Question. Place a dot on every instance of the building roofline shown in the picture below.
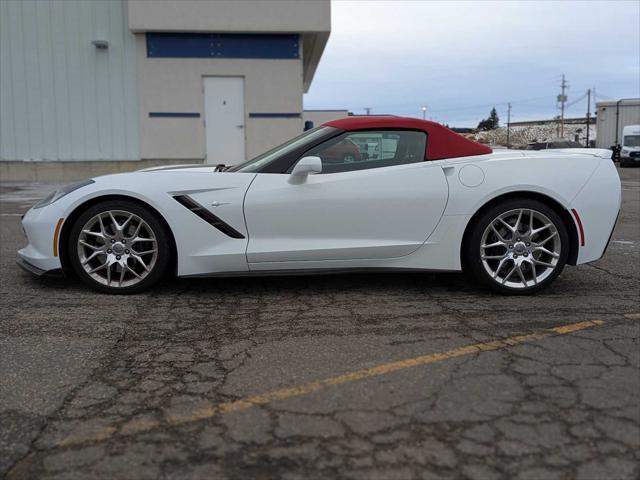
(623, 101)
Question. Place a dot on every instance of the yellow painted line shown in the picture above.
(56, 233)
(246, 403)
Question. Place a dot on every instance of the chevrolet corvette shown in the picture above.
(430, 200)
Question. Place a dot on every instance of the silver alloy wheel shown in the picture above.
(117, 248)
(520, 248)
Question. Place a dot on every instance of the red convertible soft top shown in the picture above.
(442, 142)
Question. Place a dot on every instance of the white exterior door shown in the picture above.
(224, 119)
(367, 214)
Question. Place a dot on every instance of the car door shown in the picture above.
(377, 208)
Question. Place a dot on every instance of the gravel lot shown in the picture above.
(253, 378)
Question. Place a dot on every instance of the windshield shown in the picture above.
(631, 141)
(260, 161)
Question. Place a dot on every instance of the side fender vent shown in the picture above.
(207, 216)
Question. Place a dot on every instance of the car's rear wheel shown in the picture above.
(517, 247)
(119, 246)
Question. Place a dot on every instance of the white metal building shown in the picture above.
(612, 114)
(90, 87)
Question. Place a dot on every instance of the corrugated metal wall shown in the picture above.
(629, 115)
(60, 97)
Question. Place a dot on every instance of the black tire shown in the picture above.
(624, 164)
(150, 277)
(473, 262)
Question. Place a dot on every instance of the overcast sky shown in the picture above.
(461, 58)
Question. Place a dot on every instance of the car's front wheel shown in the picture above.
(518, 246)
(119, 246)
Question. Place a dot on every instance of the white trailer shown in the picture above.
(612, 117)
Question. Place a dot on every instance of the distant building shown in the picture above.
(613, 116)
(318, 117)
(122, 84)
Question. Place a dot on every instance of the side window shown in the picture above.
(370, 149)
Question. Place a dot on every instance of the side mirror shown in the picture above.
(303, 168)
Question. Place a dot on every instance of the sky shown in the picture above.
(459, 59)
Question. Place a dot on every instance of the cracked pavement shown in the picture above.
(109, 372)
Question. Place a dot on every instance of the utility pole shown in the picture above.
(588, 114)
(562, 98)
(368, 110)
(509, 125)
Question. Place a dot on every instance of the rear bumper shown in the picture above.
(598, 205)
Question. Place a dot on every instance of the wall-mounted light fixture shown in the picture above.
(100, 44)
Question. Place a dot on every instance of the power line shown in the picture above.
(570, 104)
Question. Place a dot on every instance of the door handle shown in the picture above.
(240, 126)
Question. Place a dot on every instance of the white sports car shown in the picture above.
(428, 200)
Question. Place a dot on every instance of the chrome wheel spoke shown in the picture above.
(506, 277)
(123, 270)
(99, 267)
(134, 272)
(126, 222)
(517, 225)
(541, 229)
(553, 235)
(495, 244)
(102, 229)
(548, 252)
(500, 265)
(116, 225)
(140, 261)
(145, 252)
(534, 274)
(506, 224)
(95, 234)
(492, 257)
(136, 231)
(91, 257)
(141, 239)
(497, 233)
(544, 264)
(92, 247)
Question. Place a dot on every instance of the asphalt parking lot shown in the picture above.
(357, 376)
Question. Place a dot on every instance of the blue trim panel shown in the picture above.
(274, 115)
(175, 114)
(222, 45)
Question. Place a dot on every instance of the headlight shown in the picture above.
(58, 194)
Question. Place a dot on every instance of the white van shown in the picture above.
(630, 154)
